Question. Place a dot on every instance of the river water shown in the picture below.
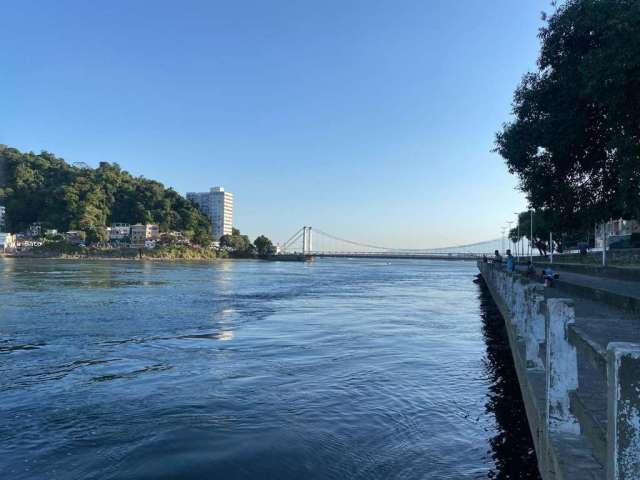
(334, 369)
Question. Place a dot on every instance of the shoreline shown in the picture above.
(118, 259)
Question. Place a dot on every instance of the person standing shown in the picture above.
(511, 266)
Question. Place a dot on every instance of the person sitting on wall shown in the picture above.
(511, 266)
(497, 258)
(484, 258)
(549, 276)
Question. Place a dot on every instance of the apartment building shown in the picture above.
(616, 230)
(218, 206)
(118, 231)
(141, 234)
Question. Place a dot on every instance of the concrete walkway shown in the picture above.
(626, 288)
(579, 377)
(606, 310)
(623, 294)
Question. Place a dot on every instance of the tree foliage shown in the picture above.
(575, 139)
(236, 243)
(264, 246)
(544, 223)
(44, 188)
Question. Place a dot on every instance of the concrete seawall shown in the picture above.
(582, 396)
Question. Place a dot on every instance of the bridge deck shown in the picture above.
(421, 256)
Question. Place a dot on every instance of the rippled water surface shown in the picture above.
(247, 369)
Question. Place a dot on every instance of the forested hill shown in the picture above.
(44, 188)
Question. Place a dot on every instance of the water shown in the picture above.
(334, 369)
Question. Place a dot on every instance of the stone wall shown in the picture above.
(543, 340)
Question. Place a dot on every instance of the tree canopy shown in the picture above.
(544, 223)
(237, 244)
(264, 246)
(575, 139)
(44, 188)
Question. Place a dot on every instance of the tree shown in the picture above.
(236, 243)
(575, 139)
(264, 246)
(545, 222)
(46, 189)
(541, 228)
(201, 237)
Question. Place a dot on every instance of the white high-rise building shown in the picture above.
(221, 208)
(218, 206)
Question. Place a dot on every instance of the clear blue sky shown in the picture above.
(373, 120)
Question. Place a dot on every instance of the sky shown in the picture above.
(370, 120)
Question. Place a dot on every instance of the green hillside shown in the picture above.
(44, 188)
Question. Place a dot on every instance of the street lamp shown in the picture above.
(519, 246)
(531, 236)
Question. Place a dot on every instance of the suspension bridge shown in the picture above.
(309, 242)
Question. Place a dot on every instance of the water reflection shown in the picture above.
(8, 265)
(512, 446)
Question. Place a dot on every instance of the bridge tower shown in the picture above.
(307, 240)
(304, 239)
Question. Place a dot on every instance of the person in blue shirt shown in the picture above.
(548, 275)
(511, 266)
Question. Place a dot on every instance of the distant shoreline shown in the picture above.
(134, 258)
(118, 259)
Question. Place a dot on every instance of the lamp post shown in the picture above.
(519, 245)
(604, 244)
(531, 236)
(502, 240)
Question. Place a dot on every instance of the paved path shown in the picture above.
(625, 288)
(621, 294)
(628, 288)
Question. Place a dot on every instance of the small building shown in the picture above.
(153, 232)
(617, 230)
(174, 237)
(7, 242)
(75, 236)
(35, 229)
(118, 231)
(141, 233)
(51, 232)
